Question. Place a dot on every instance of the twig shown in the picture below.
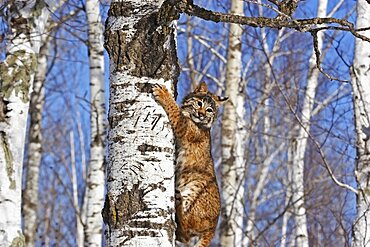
(318, 58)
(269, 7)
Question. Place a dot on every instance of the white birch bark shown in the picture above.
(95, 178)
(361, 101)
(300, 143)
(30, 192)
(17, 74)
(232, 141)
(139, 205)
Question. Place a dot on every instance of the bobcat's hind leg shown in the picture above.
(205, 239)
(182, 234)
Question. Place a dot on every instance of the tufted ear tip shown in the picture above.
(222, 100)
(201, 88)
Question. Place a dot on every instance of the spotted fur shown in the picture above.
(197, 195)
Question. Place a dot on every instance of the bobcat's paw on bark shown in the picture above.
(160, 93)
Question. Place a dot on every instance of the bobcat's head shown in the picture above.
(201, 106)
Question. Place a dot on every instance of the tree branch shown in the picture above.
(301, 25)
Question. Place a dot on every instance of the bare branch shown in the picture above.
(301, 25)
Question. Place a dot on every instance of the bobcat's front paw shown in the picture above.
(160, 93)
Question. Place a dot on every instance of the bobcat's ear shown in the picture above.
(201, 88)
(221, 100)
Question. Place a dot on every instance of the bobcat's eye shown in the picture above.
(209, 110)
(200, 103)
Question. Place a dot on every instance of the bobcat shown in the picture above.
(197, 195)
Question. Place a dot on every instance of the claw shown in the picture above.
(157, 86)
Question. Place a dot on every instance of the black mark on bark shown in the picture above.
(143, 148)
(120, 211)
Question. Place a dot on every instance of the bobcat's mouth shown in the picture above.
(202, 120)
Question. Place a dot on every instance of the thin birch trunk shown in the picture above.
(190, 54)
(284, 226)
(300, 143)
(95, 178)
(47, 222)
(139, 205)
(232, 162)
(81, 139)
(17, 74)
(79, 225)
(30, 192)
(288, 199)
(361, 101)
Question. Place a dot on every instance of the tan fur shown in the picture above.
(197, 195)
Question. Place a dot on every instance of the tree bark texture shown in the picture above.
(232, 153)
(139, 205)
(96, 172)
(361, 101)
(27, 22)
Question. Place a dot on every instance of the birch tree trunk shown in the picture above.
(232, 155)
(30, 192)
(79, 225)
(17, 73)
(284, 241)
(139, 205)
(300, 143)
(95, 177)
(361, 101)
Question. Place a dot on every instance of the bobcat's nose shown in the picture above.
(201, 114)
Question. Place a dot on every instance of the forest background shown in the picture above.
(286, 147)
